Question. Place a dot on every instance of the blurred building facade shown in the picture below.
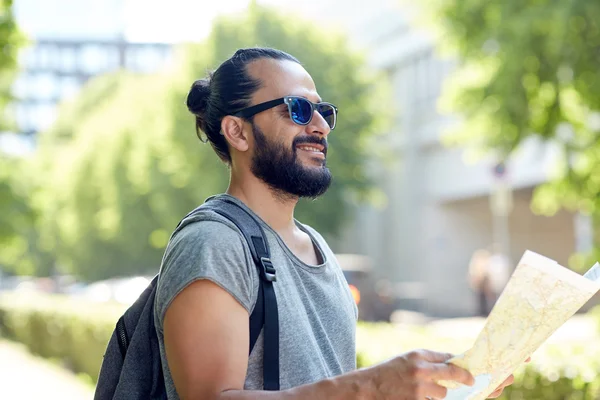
(438, 210)
(69, 48)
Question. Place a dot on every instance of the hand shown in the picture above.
(498, 392)
(413, 376)
(509, 381)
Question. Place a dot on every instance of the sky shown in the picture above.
(185, 19)
(147, 20)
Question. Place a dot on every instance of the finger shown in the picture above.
(433, 356)
(497, 393)
(432, 391)
(451, 372)
(528, 359)
(507, 382)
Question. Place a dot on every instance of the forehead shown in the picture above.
(281, 78)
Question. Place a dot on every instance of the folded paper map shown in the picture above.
(540, 296)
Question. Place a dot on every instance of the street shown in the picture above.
(26, 377)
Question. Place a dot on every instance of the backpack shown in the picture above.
(132, 368)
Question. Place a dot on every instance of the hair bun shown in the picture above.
(197, 99)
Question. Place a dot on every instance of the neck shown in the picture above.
(275, 209)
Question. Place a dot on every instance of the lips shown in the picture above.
(313, 146)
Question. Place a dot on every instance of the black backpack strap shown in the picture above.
(265, 311)
(257, 318)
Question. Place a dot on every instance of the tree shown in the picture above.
(529, 68)
(117, 177)
(11, 40)
(16, 214)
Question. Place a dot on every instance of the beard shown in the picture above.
(281, 170)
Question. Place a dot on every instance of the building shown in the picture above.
(65, 52)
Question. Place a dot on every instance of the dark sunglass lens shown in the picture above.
(301, 111)
(328, 113)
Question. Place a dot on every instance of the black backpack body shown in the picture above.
(132, 367)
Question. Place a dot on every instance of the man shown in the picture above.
(262, 114)
(479, 280)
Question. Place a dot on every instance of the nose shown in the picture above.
(318, 125)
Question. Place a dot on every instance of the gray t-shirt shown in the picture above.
(317, 314)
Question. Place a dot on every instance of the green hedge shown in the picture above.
(76, 333)
(73, 332)
(558, 371)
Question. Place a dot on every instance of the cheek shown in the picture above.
(285, 138)
(285, 129)
(280, 131)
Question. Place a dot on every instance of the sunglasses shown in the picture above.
(301, 110)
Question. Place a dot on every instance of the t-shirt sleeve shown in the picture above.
(208, 249)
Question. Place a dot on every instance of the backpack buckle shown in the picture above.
(268, 270)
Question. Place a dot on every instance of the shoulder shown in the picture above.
(206, 237)
(203, 226)
(207, 246)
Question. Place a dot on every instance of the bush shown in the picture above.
(558, 371)
(74, 332)
(77, 332)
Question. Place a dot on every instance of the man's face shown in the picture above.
(290, 158)
(280, 166)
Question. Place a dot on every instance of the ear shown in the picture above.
(233, 130)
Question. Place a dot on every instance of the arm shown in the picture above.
(206, 341)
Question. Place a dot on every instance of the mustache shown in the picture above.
(313, 140)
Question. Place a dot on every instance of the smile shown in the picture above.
(312, 148)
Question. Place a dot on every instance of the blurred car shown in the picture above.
(16, 283)
(373, 298)
(120, 290)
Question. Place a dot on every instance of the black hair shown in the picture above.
(226, 91)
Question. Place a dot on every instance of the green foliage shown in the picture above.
(74, 332)
(532, 383)
(14, 207)
(16, 216)
(530, 69)
(123, 163)
(18, 238)
(77, 332)
(10, 42)
(561, 371)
